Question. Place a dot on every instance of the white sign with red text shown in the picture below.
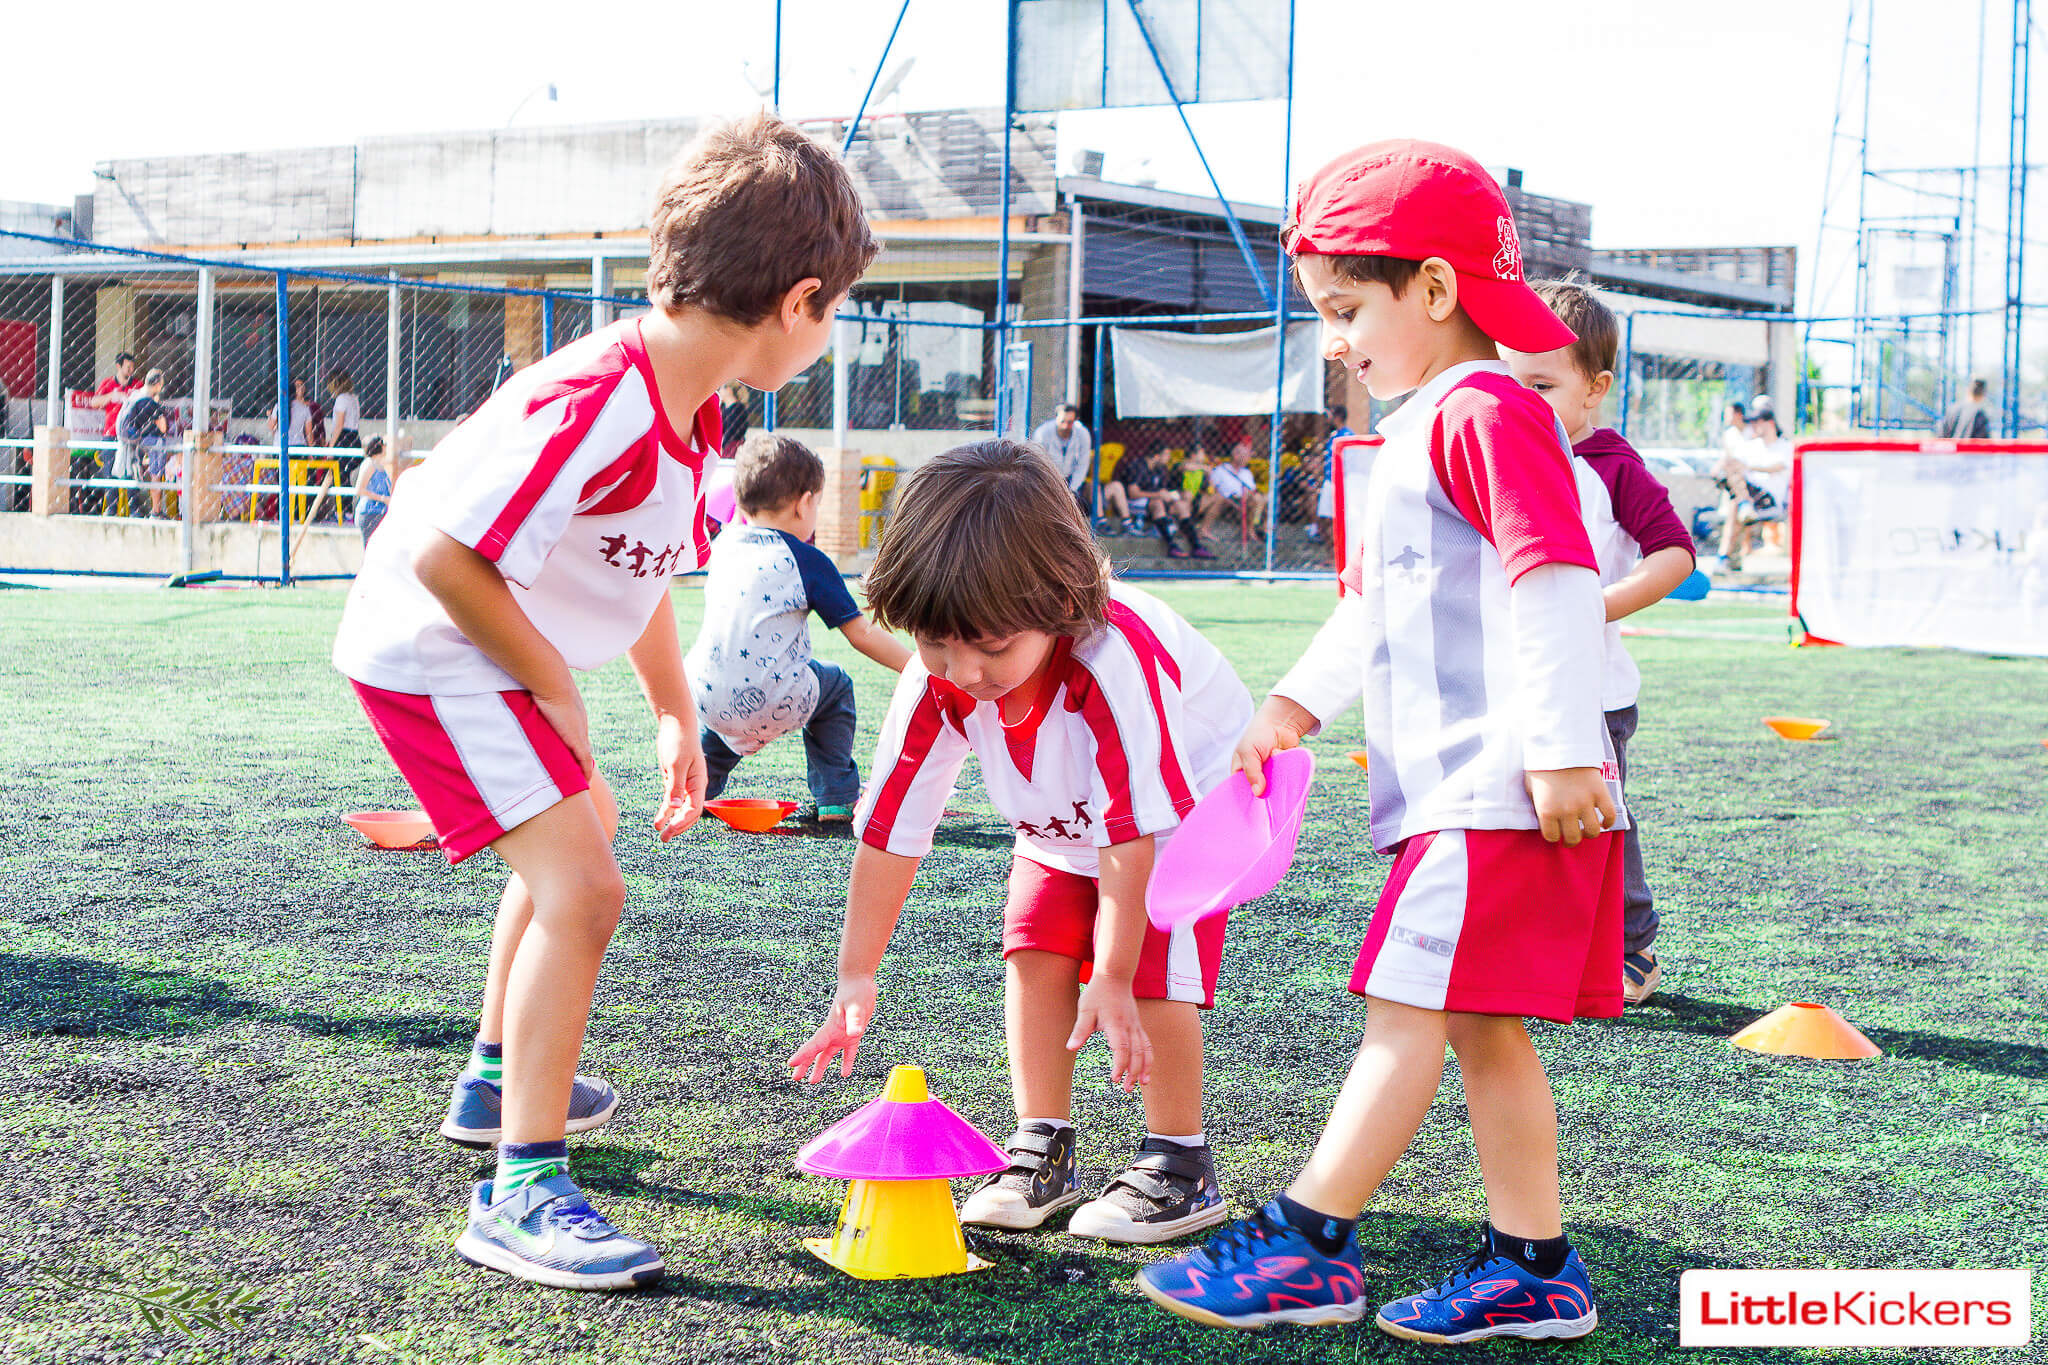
(1854, 1308)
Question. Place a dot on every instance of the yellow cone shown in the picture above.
(897, 1230)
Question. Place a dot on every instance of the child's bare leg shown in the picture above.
(563, 858)
(515, 909)
(1514, 1123)
(1041, 992)
(1173, 1097)
(1378, 1112)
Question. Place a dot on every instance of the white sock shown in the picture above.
(1191, 1140)
(1057, 1123)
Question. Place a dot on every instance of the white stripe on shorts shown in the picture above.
(1184, 965)
(498, 757)
(1413, 965)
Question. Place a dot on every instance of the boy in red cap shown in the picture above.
(1473, 630)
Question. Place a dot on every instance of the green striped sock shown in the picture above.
(486, 1060)
(524, 1163)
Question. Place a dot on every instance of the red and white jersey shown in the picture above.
(1137, 722)
(572, 481)
(1616, 550)
(1473, 488)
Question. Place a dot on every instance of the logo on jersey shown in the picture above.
(1442, 947)
(643, 559)
(1059, 826)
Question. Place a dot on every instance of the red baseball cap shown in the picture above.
(1415, 200)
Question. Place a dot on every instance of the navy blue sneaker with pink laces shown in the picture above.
(1496, 1296)
(1260, 1271)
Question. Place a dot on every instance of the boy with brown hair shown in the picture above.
(751, 668)
(1099, 717)
(1644, 552)
(1472, 632)
(540, 539)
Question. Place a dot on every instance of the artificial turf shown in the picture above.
(227, 1028)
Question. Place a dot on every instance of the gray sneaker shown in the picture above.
(473, 1109)
(1169, 1191)
(548, 1233)
(1040, 1181)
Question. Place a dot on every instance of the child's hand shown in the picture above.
(1571, 803)
(1111, 1009)
(1279, 724)
(683, 777)
(853, 1006)
(565, 713)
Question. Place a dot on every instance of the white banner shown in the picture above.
(1214, 374)
(1936, 543)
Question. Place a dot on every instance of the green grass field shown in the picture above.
(227, 1028)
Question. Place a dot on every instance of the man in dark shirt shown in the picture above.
(1967, 420)
(143, 431)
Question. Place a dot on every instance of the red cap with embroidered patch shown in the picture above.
(1415, 200)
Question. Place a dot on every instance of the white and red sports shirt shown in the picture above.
(1137, 724)
(1472, 492)
(572, 480)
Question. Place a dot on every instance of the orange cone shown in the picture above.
(1801, 1029)
(1797, 727)
(1359, 757)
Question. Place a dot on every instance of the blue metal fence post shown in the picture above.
(1101, 337)
(547, 325)
(284, 432)
(1003, 233)
(1280, 310)
(1628, 365)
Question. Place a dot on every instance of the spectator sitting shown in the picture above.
(1770, 468)
(1966, 420)
(1236, 489)
(1326, 495)
(142, 428)
(1136, 492)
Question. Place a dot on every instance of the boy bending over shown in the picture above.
(751, 666)
(539, 539)
(1100, 717)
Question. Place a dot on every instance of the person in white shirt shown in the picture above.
(1237, 493)
(1099, 718)
(1072, 450)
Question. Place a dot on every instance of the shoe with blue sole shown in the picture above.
(547, 1232)
(1258, 1272)
(1494, 1296)
(473, 1109)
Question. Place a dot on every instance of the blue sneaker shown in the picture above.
(1493, 1296)
(546, 1232)
(473, 1109)
(1259, 1271)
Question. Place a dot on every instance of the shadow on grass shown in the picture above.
(1049, 1298)
(1714, 1018)
(79, 998)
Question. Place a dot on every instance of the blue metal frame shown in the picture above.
(1002, 326)
(284, 433)
(853, 129)
(1244, 247)
(547, 326)
(2016, 214)
(1280, 311)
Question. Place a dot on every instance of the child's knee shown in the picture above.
(586, 903)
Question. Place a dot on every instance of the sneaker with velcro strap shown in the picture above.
(1168, 1191)
(547, 1232)
(1640, 975)
(1038, 1182)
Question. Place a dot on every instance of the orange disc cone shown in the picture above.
(1796, 727)
(1801, 1029)
(1360, 757)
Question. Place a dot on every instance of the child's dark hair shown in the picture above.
(1576, 307)
(986, 542)
(374, 448)
(771, 471)
(746, 211)
(1395, 272)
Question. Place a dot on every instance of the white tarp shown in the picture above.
(1922, 544)
(1214, 374)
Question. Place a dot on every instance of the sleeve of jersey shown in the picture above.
(1131, 703)
(1330, 676)
(1643, 508)
(824, 587)
(531, 470)
(917, 758)
(1510, 477)
(1558, 621)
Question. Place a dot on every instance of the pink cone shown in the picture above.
(1233, 847)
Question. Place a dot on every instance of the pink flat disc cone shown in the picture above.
(1234, 846)
(889, 1139)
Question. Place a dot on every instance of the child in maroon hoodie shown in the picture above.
(1644, 552)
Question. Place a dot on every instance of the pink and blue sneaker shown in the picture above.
(1493, 1295)
(1260, 1271)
